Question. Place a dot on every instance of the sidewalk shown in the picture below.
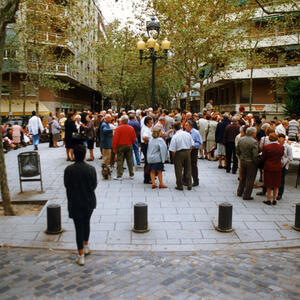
(178, 220)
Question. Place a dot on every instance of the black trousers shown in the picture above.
(82, 228)
(231, 154)
(50, 140)
(144, 148)
(281, 189)
(194, 161)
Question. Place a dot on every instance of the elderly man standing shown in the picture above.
(194, 153)
(247, 150)
(122, 142)
(181, 146)
(106, 136)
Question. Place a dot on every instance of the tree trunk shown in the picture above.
(7, 15)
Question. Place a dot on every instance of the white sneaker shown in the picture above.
(117, 178)
(80, 260)
(86, 250)
(131, 177)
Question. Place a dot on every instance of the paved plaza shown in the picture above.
(178, 220)
(47, 274)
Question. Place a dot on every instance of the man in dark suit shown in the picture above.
(80, 180)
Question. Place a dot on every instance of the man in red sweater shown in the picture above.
(123, 139)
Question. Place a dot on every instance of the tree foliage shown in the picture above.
(292, 104)
(123, 79)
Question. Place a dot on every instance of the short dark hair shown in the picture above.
(131, 116)
(165, 111)
(79, 152)
(33, 113)
(70, 115)
(177, 126)
(147, 120)
(281, 135)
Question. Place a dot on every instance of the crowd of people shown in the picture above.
(242, 144)
(177, 137)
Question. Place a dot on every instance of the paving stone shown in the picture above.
(179, 213)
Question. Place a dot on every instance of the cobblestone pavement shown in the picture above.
(178, 220)
(46, 274)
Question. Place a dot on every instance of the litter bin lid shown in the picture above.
(140, 204)
(53, 205)
(226, 204)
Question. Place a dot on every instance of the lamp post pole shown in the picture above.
(153, 59)
(153, 46)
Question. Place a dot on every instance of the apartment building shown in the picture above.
(277, 54)
(50, 65)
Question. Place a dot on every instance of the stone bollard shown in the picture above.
(140, 218)
(225, 217)
(53, 219)
(297, 217)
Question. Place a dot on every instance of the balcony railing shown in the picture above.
(46, 8)
(290, 63)
(261, 34)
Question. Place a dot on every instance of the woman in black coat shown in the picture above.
(80, 180)
(70, 127)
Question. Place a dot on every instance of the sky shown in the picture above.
(116, 10)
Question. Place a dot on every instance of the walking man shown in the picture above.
(194, 152)
(80, 180)
(35, 127)
(181, 146)
(122, 142)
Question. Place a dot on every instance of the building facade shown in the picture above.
(275, 59)
(49, 62)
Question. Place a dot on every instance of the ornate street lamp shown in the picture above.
(153, 30)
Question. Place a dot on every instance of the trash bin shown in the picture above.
(29, 166)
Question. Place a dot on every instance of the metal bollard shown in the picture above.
(225, 217)
(140, 218)
(297, 217)
(53, 219)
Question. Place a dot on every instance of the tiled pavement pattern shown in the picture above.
(45, 274)
(179, 220)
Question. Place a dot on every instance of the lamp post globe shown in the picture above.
(153, 30)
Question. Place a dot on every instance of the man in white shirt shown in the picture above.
(181, 146)
(281, 128)
(146, 135)
(34, 127)
(203, 128)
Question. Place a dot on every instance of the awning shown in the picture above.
(17, 107)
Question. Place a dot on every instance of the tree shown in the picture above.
(292, 104)
(123, 79)
(8, 11)
(206, 35)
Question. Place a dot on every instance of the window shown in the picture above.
(5, 90)
(245, 91)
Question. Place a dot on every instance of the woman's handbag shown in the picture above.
(76, 136)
